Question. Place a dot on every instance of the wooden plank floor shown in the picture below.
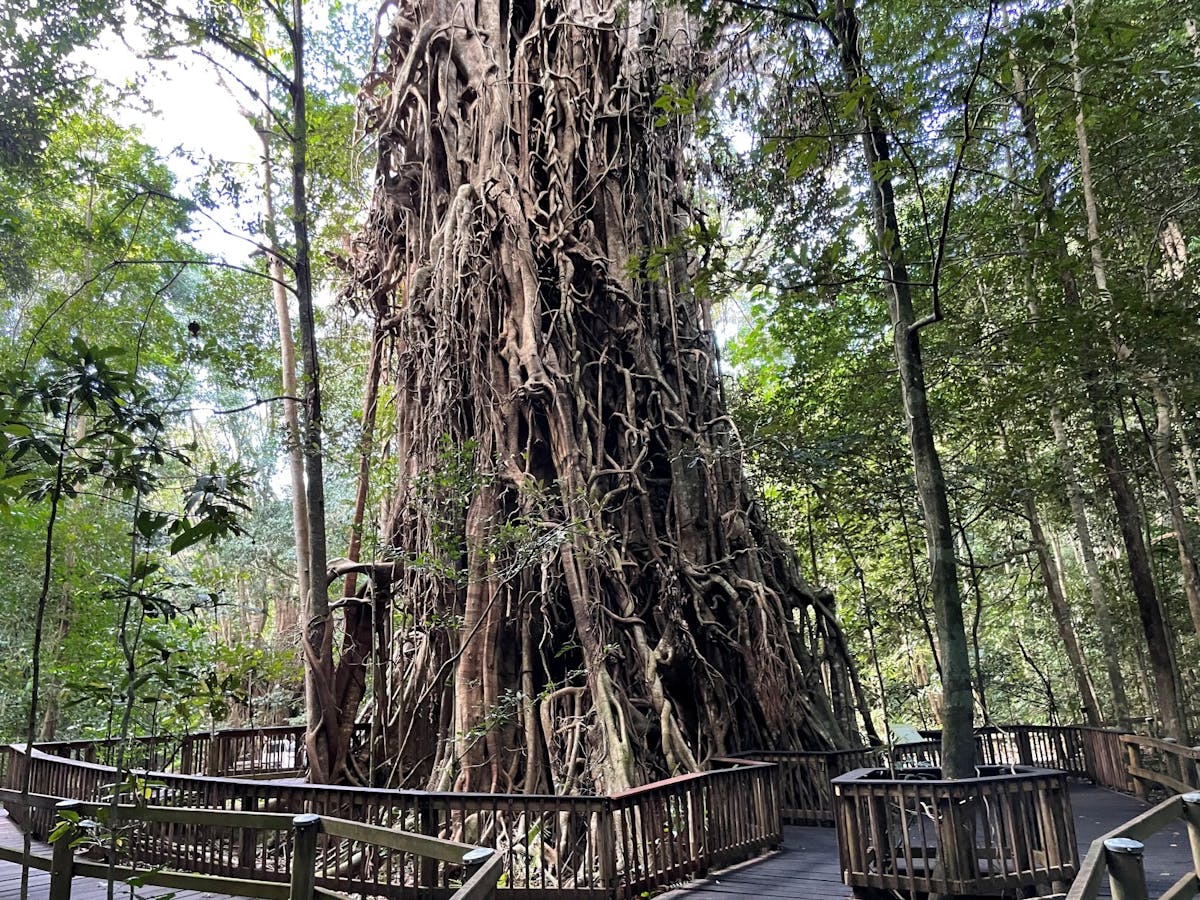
(807, 866)
(81, 888)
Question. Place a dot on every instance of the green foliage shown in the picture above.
(814, 395)
(39, 73)
(80, 427)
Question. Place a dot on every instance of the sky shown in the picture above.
(184, 107)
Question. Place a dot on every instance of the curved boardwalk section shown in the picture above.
(224, 806)
(807, 866)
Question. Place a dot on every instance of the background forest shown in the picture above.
(1042, 160)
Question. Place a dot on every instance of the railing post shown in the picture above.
(1133, 753)
(606, 847)
(1024, 748)
(428, 866)
(1174, 762)
(305, 828)
(472, 861)
(1126, 868)
(1191, 815)
(62, 864)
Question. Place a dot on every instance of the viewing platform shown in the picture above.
(226, 815)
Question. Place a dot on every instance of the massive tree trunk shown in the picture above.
(586, 594)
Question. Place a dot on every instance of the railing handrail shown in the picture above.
(860, 776)
(470, 856)
(1161, 744)
(1113, 852)
(746, 787)
(680, 780)
(332, 788)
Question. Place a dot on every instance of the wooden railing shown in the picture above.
(912, 831)
(1094, 753)
(805, 776)
(248, 854)
(675, 830)
(238, 752)
(1118, 854)
(619, 846)
(1152, 762)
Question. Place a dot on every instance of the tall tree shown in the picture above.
(958, 744)
(236, 39)
(587, 594)
(1100, 409)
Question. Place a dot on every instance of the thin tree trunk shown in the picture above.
(1173, 718)
(1091, 569)
(323, 725)
(366, 445)
(1164, 463)
(958, 742)
(1051, 702)
(1100, 406)
(1060, 610)
(922, 615)
(1075, 494)
(287, 363)
(1189, 457)
(976, 624)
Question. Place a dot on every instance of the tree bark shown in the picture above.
(1060, 610)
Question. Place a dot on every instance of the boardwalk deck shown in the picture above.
(81, 888)
(807, 866)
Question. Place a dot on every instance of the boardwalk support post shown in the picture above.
(1191, 814)
(62, 864)
(1134, 766)
(473, 859)
(304, 855)
(1126, 868)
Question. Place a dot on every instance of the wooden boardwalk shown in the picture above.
(807, 867)
(81, 888)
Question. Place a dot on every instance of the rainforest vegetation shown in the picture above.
(571, 391)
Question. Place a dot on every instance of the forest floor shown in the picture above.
(807, 866)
